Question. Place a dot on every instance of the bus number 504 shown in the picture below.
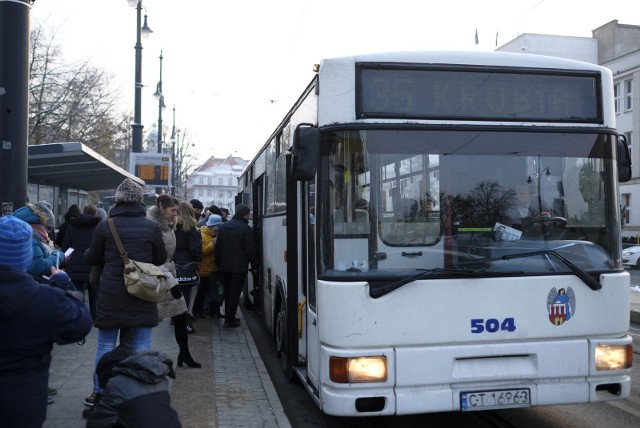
(492, 325)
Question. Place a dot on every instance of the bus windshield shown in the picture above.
(394, 201)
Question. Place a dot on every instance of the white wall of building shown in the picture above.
(576, 48)
(618, 47)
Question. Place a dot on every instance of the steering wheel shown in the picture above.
(547, 228)
(559, 222)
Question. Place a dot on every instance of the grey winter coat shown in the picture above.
(137, 394)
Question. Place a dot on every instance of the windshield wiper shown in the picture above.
(388, 288)
(577, 271)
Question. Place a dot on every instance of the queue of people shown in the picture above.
(83, 257)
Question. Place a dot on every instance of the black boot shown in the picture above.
(185, 357)
(182, 337)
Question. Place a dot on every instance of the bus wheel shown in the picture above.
(281, 340)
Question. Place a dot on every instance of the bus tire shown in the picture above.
(281, 332)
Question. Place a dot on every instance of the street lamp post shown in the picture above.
(142, 30)
(538, 175)
(173, 154)
(158, 94)
(161, 106)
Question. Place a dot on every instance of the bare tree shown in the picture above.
(71, 102)
(182, 159)
(484, 205)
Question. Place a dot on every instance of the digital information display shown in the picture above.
(477, 93)
(153, 168)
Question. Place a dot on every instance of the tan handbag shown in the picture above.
(145, 281)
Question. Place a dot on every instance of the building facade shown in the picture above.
(216, 181)
(617, 47)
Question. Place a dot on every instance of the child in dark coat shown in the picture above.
(136, 390)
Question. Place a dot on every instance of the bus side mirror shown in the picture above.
(624, 160)
(306, 146)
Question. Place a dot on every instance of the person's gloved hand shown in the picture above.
(60, 279)
(176, 292)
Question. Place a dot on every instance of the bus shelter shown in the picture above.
(63, 173)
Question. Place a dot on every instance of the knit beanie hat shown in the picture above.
(30, 214)
(15, 242)
(242, 209)
(128, 191)
(46, 208)
(214, 220)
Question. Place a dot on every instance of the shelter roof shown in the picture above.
(74, 165)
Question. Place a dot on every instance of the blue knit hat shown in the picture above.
(15, 242)
(214, 220)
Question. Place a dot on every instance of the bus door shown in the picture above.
(311, 335)
(256, 287)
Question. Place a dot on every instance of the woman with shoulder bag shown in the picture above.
(172, 305)
(188, 253)
(116, 309)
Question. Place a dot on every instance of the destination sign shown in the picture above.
(477, 93)
(153, 168)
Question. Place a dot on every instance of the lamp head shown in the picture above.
(158, 93)
(145, 30)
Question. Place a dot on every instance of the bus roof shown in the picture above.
(488, 58)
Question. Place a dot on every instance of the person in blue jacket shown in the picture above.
(33, 316)
(44, 253)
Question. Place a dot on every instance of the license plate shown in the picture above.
(496, 399)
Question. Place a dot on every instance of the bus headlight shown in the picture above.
(358, 370)
(614, 357)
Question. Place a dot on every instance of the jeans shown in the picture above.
(140, 339)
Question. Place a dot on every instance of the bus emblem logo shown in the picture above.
(561, 305)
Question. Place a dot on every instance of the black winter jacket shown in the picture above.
(235, 246)
(78, 236)
(188, 246)
(142, 239)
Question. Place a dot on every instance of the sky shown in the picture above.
(233, 69)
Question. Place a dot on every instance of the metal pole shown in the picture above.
(137, 126)
(160, 105)
(539, 177)
(173, 154)
(14, 103)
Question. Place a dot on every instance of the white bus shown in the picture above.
(440, 231)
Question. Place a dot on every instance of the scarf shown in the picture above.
(42, 236)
